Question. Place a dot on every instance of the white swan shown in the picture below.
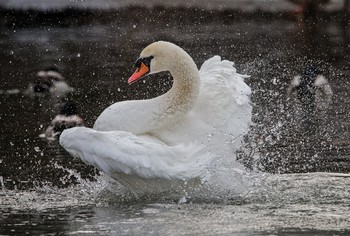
(180, 135)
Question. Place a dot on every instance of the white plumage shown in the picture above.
(179, 136)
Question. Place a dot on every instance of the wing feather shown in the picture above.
(123, 152)
(224, 96)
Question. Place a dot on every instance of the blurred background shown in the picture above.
(93, 46)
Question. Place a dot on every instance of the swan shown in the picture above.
(181, 136)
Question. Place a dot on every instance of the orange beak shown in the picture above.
(139, 73)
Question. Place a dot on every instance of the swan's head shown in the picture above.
(155, 58)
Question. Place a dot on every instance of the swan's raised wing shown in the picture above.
(224, 100)
(223, 73)
(121, 152)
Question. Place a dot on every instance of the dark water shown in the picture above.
(39, 195)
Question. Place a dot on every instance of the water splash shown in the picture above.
(51, 197)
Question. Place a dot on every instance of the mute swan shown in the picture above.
(67, 118)
(182, 135)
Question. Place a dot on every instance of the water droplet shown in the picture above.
(274, 81)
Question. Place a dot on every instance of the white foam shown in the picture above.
(48, 197)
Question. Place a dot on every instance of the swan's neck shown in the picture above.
(180, 99)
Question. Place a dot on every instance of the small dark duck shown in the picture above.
(67, 118)
(311, 88)
(49, 81)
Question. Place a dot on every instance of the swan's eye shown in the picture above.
(144, 60)
(143, 67)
